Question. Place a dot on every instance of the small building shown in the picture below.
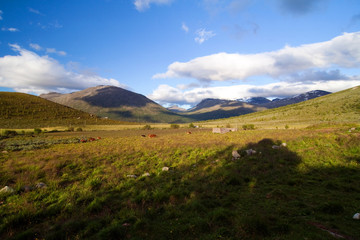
(224, 130)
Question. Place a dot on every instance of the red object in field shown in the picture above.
(152, 135)
(98, 138)
(83, 140)
(188, 133)
(91, 139)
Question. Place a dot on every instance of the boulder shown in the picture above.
(146, 175)
(235, 155)
(165, 169)
(6, 189)
(356, 216)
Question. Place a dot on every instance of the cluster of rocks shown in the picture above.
(164, 169)
(8, 189)
(249, 152)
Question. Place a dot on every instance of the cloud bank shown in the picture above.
(28, 72)
(342, 51)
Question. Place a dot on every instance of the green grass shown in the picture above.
(20, 110)
(274, 194)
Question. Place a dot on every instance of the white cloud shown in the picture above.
(342, 51)
(29, 72)
(53, 50)
(185, 27)
(36, 11)
(166, 94)
(35, 46)
(142, 5)
(1, 12)
(202, 35)
(10, 29)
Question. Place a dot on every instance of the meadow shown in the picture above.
(182, 186)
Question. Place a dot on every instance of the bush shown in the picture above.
(37, 130)
(174, 126)
(248, 127)
(191, 125)
(147, 127)
(9, 133)
(79, 129)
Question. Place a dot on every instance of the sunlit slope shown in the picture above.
(340, 107)
(20, 110)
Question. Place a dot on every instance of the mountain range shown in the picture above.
(121, 104)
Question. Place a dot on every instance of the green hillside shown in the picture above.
(340, 107)
(20, 110)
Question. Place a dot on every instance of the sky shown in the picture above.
(180, 51)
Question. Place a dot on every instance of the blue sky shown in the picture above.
(180, 51)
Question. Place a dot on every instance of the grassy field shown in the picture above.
(292, 192)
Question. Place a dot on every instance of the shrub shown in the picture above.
(79, 129)
(248, 127)
(37, 130)
(10, 133)
(174, 126)
(147, 127)
(191, 125)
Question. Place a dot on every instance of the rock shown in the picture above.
(131, 176)
(6, 189)
(275, 147)
(250, 152)
(235, 155)
(40, 185)
(5, 151)
(283, 145)
(165, 169)
(356, 216)
(146, 175)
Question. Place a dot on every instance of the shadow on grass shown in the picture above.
(258, 196)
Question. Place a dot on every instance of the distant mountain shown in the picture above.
(296, 99)
(323, 110)
(211, 108)
(116, 103)
(21, 110)
(176, 108)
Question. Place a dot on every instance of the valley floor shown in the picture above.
(296, 184)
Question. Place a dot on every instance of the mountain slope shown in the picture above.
(116, 103)
(340, 107)
(20, 110)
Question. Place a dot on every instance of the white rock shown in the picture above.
(235, 154)
(146, 175)
(275, 147)
(41, 185)
(165, 169)
(131, 176)
(356, 216)
(250, 152)
(6, 189)
(283, 144)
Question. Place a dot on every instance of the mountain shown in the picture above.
(219, 108)
(116, 103)
(296, 99)
(176, 109)
(20, 110)
(211, 108)
(335, 108)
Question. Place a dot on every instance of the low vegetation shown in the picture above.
(117, 187)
